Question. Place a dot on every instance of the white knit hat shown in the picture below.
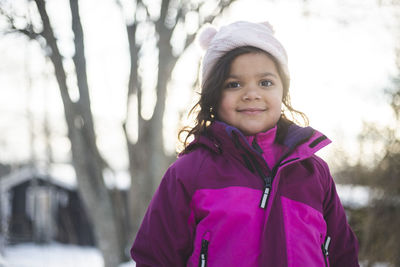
(238, 34)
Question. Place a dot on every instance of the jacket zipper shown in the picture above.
(324, 248)
(267, 190)
(203, 253)
(267, 179)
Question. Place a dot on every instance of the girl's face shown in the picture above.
(252, 94)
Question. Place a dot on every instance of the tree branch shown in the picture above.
(163, 13)
(27, 31)
(209, 19)
(140, 3)
(218, 10)
(79, 58)
(55, 55)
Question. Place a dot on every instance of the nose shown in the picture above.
(251, 93)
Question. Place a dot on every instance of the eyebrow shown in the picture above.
(264, 74)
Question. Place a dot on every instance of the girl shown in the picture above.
(249, 190)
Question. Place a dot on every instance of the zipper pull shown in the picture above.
(265, 197)
(325, 246)
(267, 190)
(203, 260)
(203, 253)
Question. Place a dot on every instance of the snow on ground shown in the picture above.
(53, 255)
(354, 196)
(59, 255)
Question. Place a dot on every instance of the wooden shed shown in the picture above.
(36, 207)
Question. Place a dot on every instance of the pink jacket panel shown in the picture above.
(305, 230)
(232, 222)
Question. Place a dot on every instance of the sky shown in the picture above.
(341, 58)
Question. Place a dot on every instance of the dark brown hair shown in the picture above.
(206, 108)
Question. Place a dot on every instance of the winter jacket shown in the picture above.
(220, 204)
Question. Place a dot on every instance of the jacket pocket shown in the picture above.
(204, 250)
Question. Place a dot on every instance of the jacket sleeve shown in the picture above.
(343, 248)
(165, 236)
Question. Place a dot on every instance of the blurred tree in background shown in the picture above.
(377, 225)
(114, 223)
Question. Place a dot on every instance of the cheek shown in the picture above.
(275, 99)
(224, 105)
(223, 110)
(279, 97)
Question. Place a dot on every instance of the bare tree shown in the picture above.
(86, 158)
(147, 158)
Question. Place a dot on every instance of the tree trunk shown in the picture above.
(86, 159)
(137, 153)
(147, 158)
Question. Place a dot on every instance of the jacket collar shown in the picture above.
(300, 142)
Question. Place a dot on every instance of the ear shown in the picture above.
(205, 35)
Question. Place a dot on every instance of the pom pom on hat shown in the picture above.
(270, 27)
(205, 36)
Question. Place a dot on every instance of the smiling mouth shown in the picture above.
(252, 111)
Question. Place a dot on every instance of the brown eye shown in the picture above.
(232, 85)
(266, 83)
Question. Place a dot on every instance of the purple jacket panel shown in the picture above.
(165, 237)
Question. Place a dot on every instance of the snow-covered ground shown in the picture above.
(59, 255)
(53, 255)
(354, 196)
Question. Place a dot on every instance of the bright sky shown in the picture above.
(340, 57)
